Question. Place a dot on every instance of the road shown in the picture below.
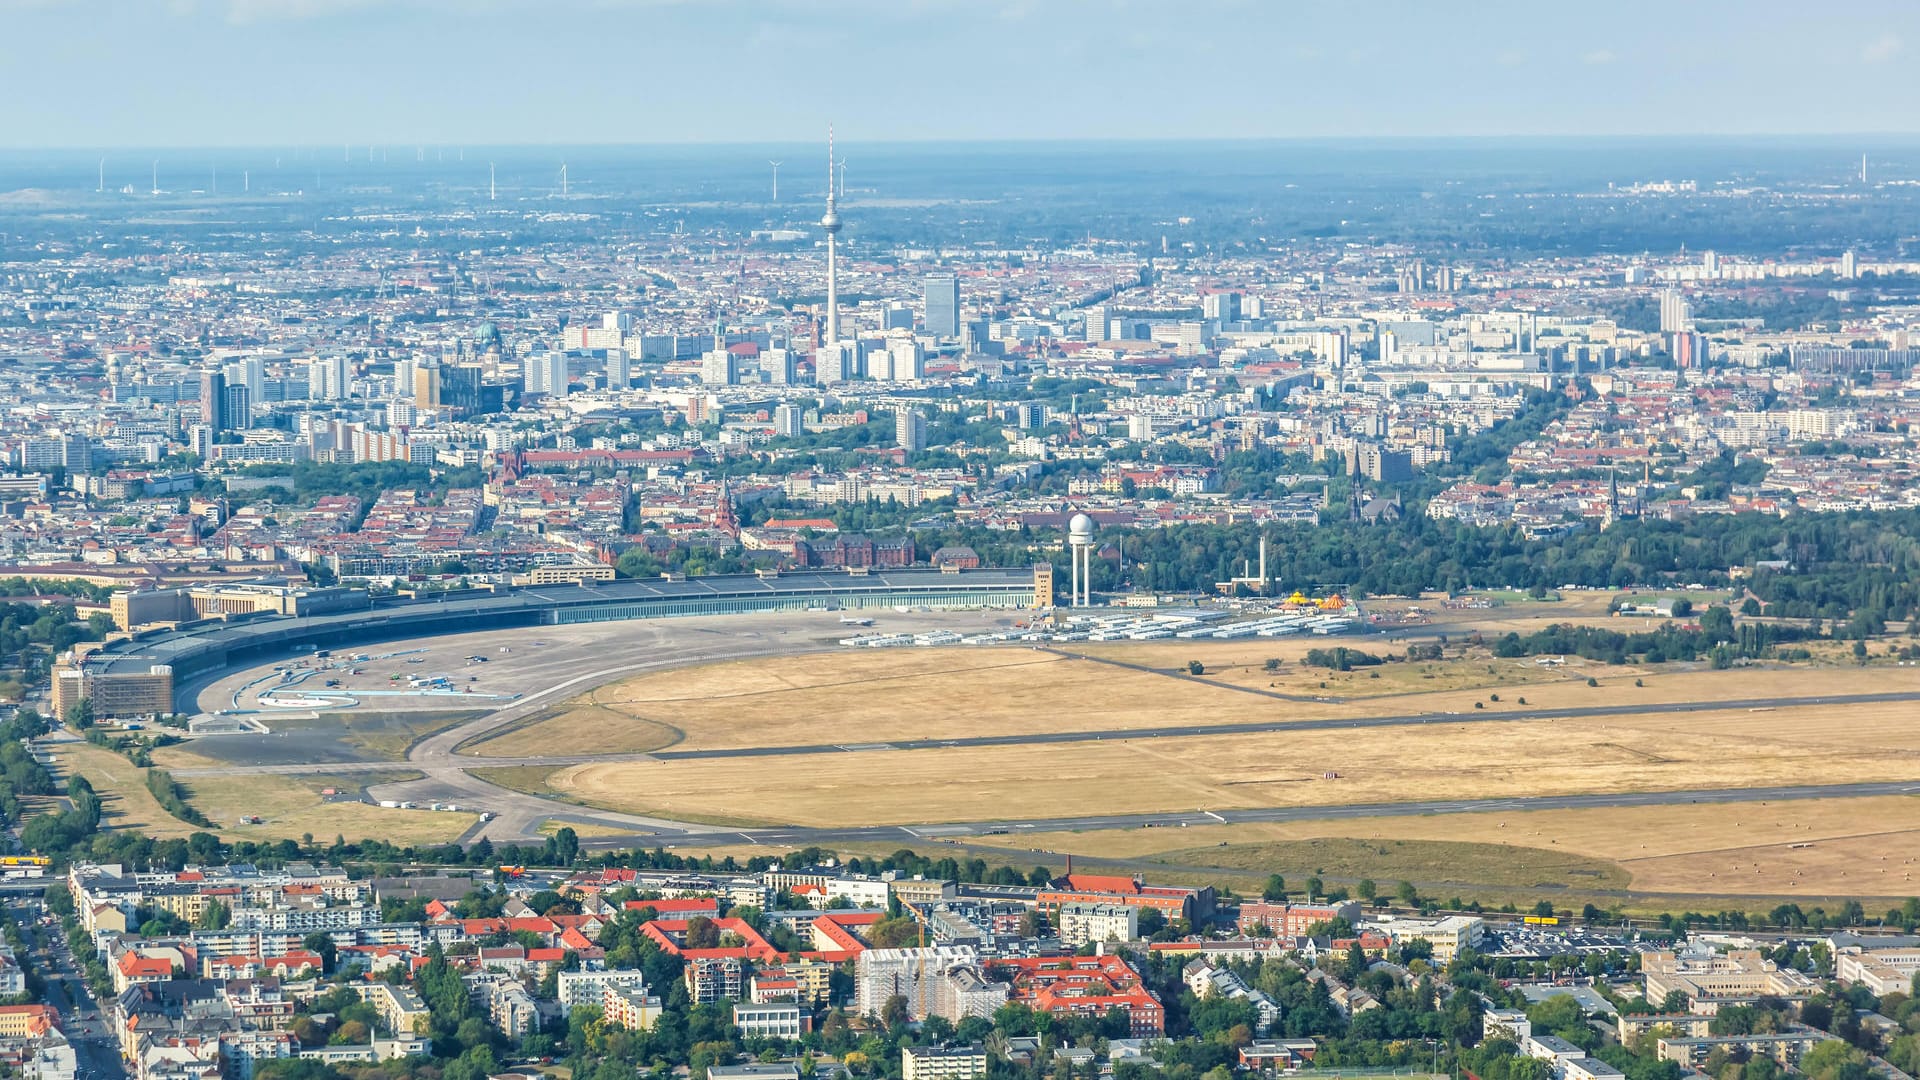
(87, 1028)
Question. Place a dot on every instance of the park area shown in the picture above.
(1469, 726)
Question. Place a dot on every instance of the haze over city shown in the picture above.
(200, 73)
(941, 540)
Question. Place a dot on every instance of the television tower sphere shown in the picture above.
(1080, 530)
(831, 222)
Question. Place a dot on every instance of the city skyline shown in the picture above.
(507, 72)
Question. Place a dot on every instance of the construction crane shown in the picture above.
(920, 956)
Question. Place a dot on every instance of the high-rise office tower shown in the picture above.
(906, 360)
(250, 373)
(720, 367)
(943, 306)
(910, 430)
(619, 371)
(236, 410)
(460, 388)
(213, 400)
(545, 373)
(1096, 328)
(426, 386)
(1221, 307)
(1675, 313)
(837, 362)
(327, 378)
(831, 223)
(200, 441)
(776, 366)
(786, 421)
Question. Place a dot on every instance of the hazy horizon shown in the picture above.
(206, 74)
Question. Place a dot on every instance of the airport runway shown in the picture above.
(909, 834)
(440, 749)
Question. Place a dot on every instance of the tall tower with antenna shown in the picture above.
(831, 223)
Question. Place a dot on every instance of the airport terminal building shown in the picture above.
(210, 644)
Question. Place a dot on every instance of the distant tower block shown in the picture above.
(1080, 554)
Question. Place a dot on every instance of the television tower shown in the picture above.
(831, 223)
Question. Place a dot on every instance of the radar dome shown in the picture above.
(1081, 527)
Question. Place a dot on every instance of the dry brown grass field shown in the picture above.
(125, 802)
(292, 807)
(1821, 847)
(863, 697)
(1422, 761)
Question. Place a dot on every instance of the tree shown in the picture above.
(1407, 894)
(701, 933)
(566, 845)
(1275, 888)
(1834, 1060)
(1195, 667)
(1367, 890)
(895, 932)
(80, 713)
(893, 1013)
(215, 916)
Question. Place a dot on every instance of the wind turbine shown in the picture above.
(842, 163)
(103, 178)
(156, 176)
(491, 196)
(776, 180)
(563, 179)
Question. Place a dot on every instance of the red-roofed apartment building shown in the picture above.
(1086, 986)
(1173, 901)
(671, 935)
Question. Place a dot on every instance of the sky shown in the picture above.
(210, 73)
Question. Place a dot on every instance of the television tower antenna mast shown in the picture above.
(776, 179)
(831, 223)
